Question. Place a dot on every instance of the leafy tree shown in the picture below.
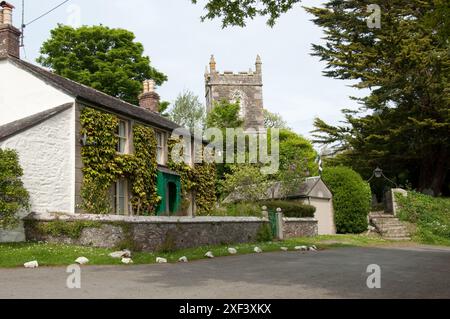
(235, 13)
(13, 196)
(274, 120)
(163, 108)
(246, 182)
(297, 161)
(108, 60)
(224, 115)
(188, 111)
(403, 124)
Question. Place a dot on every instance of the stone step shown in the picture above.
(391, 228)
(398, 238)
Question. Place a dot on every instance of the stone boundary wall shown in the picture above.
(299, 227)
(142, 233)
(156, 233)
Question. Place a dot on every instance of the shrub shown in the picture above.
(13, 195)
(290, 209)
(264, 234)
(238, 209)
(430, 214)
(351, 199)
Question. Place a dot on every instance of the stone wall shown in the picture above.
(299, 227)
(142, 233)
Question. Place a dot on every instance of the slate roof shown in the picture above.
(21, 125)
(96, 98)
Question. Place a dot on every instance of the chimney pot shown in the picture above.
(149, 99)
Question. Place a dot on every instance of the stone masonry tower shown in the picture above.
(245, 87)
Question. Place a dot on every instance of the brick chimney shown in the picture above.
(149, 99)
(9, 35)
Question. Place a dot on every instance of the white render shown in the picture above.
(22, 94)
(46, 154)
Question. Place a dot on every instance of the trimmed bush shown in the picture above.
(290, 209)
(351, 199)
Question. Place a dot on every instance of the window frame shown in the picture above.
(161, 149)
(117, 197)
(125, 138)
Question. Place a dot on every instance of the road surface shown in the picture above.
(419, 272)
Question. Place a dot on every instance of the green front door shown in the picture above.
(169, 189)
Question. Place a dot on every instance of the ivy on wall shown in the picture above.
(103, 166)
(199, 180)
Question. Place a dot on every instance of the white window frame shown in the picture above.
(125, 138)
(117, 197)
(161, 147)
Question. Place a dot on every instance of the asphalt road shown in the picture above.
(337, 273)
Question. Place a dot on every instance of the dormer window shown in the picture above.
(122, 135)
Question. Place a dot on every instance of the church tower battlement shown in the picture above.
(245, 87)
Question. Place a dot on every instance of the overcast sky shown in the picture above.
(180, 45)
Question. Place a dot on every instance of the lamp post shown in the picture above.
(378, 173)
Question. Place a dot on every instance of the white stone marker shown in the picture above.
(127, 261)
(232, 251)
(31, 264)
(257, 250)
(82, 261)
(183, 259)
(160, 260)
(209, 254)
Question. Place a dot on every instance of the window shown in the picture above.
(122, 134)
(161, 148)
(121, 197)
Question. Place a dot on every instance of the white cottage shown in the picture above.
(40, 119)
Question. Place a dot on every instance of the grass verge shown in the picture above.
(15, 255)
(430, 215)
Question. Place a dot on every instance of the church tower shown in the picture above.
(245, 87)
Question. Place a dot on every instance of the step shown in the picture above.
(401, 238)
(392, 228)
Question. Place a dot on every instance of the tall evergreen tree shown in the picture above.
(406, 66)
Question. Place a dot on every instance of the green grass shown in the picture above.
(430, 215)
(15, 255)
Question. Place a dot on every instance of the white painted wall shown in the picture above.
(22, 94)
(324, 215)
(47, 155)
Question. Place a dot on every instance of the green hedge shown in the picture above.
(290, 208)
(351, 199)
(430, 214)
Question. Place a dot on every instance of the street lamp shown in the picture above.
(378, 173)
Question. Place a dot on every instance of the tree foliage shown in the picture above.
(188, 111)
(235, 13)
(403, 124)
(274, 120)
(224, 115)
(13, 195)
(245, 182)
(108, 60)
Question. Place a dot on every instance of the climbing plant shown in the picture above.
(103, 165)
(198, 179)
